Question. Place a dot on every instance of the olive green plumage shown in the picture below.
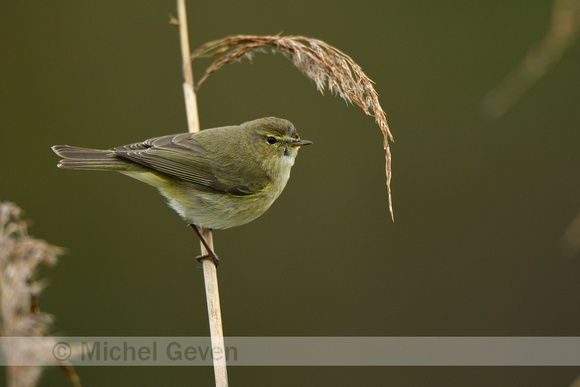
(217, 178)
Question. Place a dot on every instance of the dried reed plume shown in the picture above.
(327, 66)
(21, 318)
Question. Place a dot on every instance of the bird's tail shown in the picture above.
(85, 158)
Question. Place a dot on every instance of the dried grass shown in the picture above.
(20, 255)
(327, 66)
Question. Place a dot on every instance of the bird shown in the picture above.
(216, 178)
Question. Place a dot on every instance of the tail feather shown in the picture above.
(85, 158)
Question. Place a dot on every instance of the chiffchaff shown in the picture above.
(217, 178)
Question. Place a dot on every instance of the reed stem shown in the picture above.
(209, 268)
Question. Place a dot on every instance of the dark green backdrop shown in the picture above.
(480, 205)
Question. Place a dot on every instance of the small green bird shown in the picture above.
(217, 178)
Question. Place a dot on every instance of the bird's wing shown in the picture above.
(186, 159)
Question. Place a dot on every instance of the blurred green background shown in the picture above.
(480, 205)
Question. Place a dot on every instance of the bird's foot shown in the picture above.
(211, 256)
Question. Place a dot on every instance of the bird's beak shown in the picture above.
(300, 143)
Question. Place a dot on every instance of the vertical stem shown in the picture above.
(209, 268)
(190, 97)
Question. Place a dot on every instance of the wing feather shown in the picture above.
(184, 158)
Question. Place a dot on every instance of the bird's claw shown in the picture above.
(213, 257)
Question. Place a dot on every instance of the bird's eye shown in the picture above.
(271, 140)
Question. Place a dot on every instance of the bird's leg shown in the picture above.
(210, 255)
